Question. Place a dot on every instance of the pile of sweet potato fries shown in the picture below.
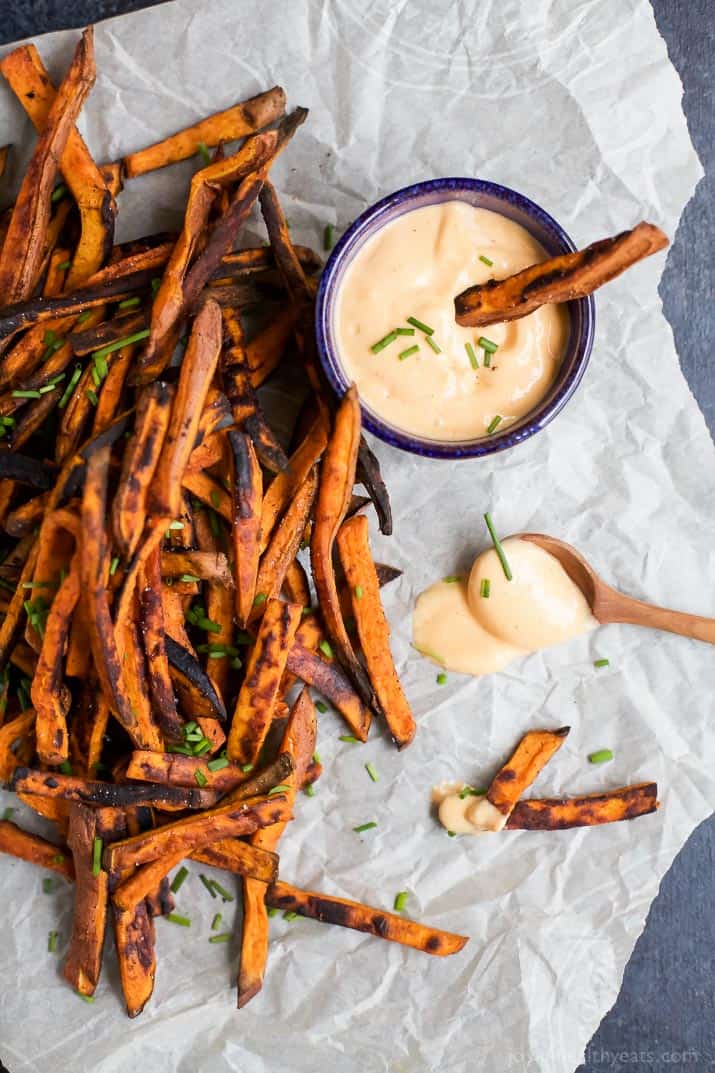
(155, 613)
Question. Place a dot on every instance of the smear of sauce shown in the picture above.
(455, 624)
(463, 813)
(414, 267)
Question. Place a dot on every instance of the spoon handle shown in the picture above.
(627, 609)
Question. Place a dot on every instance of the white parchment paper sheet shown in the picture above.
(574, 103)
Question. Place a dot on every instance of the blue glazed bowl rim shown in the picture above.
(582, 311)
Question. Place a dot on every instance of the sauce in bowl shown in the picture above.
(430, 383)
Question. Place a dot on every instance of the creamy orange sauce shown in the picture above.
(414, 267)
(465, 815)
(465, 631)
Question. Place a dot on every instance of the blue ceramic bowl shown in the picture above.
(484, 195)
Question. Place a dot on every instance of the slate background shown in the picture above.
(665, 1014)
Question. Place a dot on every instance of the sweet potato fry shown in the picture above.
(227, 126)
(197, 369)
(233, 855)
(284, 544)
(141, 457)
(558, 814)
(134, 943)
(289, 266)
(265, 351)
(256, 259)
(204, 565)
(191, 682)
(368, 474)
(157, 660)
(14, 616)
(337, 476)
(24, 71)
(372, 627)
(530, 756)
(330, 680)
(246, 529)
(50, 808)
(24, 242)
(295, 584)
(32, 848)
(88, 792)
(50, 697)
(559, 279)
(331, 910)
(84, 957)
(299, 742)
(258, 694)
(284, 486)
(173, 769)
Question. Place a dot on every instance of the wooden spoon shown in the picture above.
(610, 605)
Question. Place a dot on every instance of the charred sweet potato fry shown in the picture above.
(559, 279)
(50, 697)
(36, 850)
(203, 565)
(530, 756)
(173, 769)
(134, 943)
(330, 680)
(191, 682)
(23, 247)
(16, 730)
(331, 910)
(240, 858)
(157, 660)
(246, 529)
(337, 476)
(284, 486)
(14, 615)
(265, 351)
(226, 126)
(368, 473)
(589, 810)
(84, 957)
(372, 628)
(88, 792)
(295, 584)
(24, 71)
(299, 742)
(259, 691)
(288, 263)
(284, 544)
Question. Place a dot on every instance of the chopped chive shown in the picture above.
(190, 727)
(290, 915)
(364, 827)
(405, 331)
(37, 585)
(325, 648)
(58, 858)
(65, 768)
(382, 343)
(209, 625)
(328, 237)
(321, 706)
(281, 789)
(224, 937)
(400, 901)
(84, 317)
(47, 388)
(487, 360)
(309, 790)
(92, 396)
(451, 579)
(473, 361)
(203, 153)
(136, 337)
(218, 763)
(429, 654)
(58, 193)
(52, 942)
(601, 662)
(349, 738)
(216, 922)
(451, 833)
(487, 344)
(8, 814)
(421, 325)
(176, 525)
(189, 578)
(441, 679)
(201, 779)
(25, 393)
(113, 566)
(485, 588)
(208, 884)
(100, 367)
(272, 911)
(177, 918)
(408, 353)
(155, 285)
(227, 897)
(97, 856)
(259, 598)
(129, 303)
(371, 772)
(601, 756)
(63, 266)
(96, 378)
(89, 999)
(485, 260)
(494, 424)
(245, 768)
(469, 791)
(215, 498)
(431, 343)
(47, 886)
(498, 547)
(179, 879)
(70, 387)
(203, 747)
(358, 592)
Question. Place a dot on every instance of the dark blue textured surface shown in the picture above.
(664, 1019)
(484, 195)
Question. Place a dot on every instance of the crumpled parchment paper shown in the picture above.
(576, 105)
